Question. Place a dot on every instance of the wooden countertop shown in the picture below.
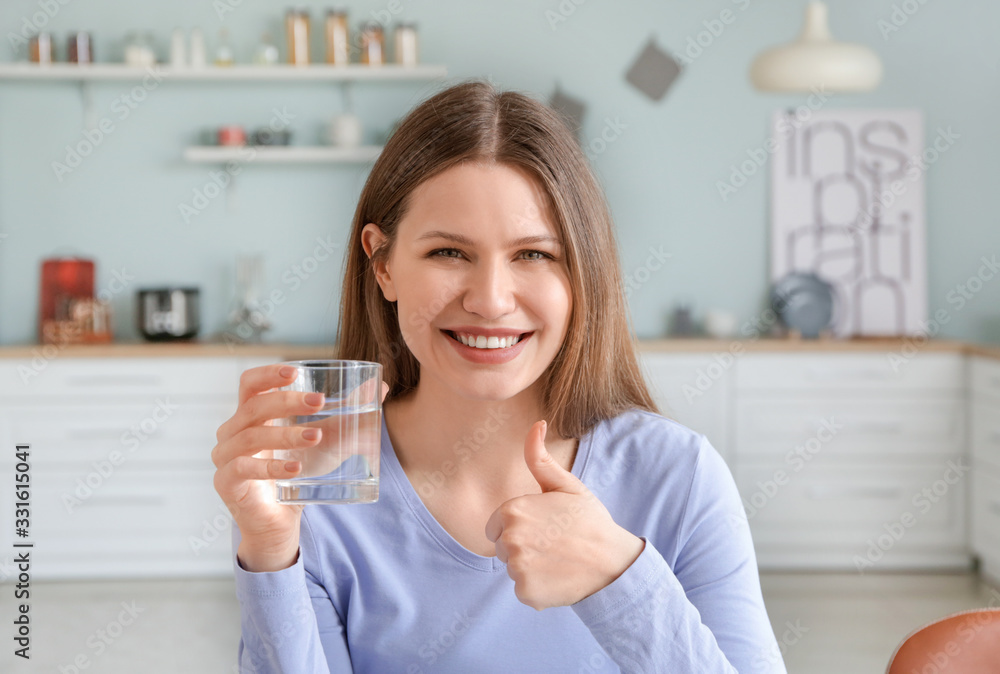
(289, 351)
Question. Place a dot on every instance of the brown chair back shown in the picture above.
(962, 643)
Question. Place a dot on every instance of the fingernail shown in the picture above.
(287, 371)
(291, 466)
(545, 427)
(314, 398)
(310, 433)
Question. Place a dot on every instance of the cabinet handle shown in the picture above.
(818, 493)
(878, 426)
(91, 433)
(123, 500)
(85, 433)
(816, 372)
(862, 425)
(115, 380)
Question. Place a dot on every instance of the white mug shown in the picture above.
(344, 131)
(720, 324)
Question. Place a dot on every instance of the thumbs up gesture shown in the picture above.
(562, 545)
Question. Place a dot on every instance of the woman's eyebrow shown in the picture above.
(458, 238)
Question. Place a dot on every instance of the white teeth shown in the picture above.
(483, 342)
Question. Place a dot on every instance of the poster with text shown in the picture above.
(847, 203)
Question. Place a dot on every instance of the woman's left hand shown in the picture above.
(561, 545)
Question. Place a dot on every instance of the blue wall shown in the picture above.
(121, 205)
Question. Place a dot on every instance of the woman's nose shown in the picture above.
(490, 290)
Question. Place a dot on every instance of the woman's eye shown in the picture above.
(447, 253)
(541, 255)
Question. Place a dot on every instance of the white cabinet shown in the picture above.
(984, 375)
(693, 389)
(121, 470)
(849, 461)
(852, 461)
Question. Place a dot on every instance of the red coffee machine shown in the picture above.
(68, 312)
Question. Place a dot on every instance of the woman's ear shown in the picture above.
(371, 239)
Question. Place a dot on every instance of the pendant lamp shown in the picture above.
(816, 61)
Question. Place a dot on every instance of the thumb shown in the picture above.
(547, 472)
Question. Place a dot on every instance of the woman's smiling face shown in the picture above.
(478, 253)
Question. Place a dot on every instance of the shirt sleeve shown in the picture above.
(707, 613)
(288, 624)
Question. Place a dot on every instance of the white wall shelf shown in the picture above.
(249, 154)
(238, 73)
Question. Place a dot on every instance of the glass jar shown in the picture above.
(267, 52)
(224, 56)
(139, 49)
(337, 39)
(372, 44)
(406, 44)
(79, 48)
(40, 48)
(297, 33)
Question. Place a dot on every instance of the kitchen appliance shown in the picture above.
(166, 314)
(249, 317)
(68, 313)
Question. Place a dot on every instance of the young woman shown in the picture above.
(535, 512)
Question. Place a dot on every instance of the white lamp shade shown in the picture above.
(816, 61)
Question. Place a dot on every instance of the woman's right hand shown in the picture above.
(269, 530)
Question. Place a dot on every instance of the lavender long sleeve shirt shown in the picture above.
(383, 588)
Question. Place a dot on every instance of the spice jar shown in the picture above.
(40, 48)
(337, 52)
(139, 50)
(79, 48)
(297, 33)
(372, 44)
(267, 52)
(406, 44)
(232, 135)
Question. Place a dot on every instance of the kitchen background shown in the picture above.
(150, 216)
(122, 205)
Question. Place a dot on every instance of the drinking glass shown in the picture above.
(343, 467)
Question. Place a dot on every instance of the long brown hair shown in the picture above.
(595, 375)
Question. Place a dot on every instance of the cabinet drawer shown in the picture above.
(984, 376)
(861, 430)
(986, 431)
(164, 432)
(131, 525)
(79, 378)
(843, 507)
(845, 373)
(986, 512)
(685, 389)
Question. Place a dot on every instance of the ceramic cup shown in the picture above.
(344, 131)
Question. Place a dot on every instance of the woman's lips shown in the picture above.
(487, 356)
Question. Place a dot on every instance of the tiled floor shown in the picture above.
(848, 623)
(829, 623)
